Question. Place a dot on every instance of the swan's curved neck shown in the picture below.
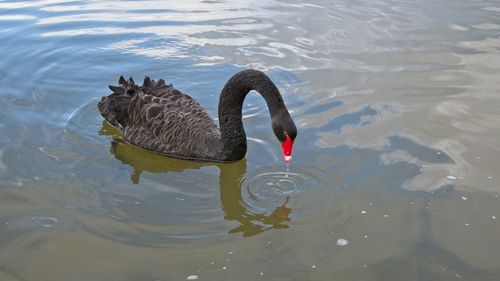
(233, 137)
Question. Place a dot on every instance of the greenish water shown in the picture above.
(395, 173)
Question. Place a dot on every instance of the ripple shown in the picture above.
(19, 103)
(275, 185)
(83, 122)
(36, 222)
(264, 191)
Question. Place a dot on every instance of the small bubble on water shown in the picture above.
(451, 177)
(342, 242)
(490, 178)
(366, 236)
(386, 216)
(467, 224)
(224, 268)
(464, 198)
(363, 212)
(313, 267)
(493, 217)
(438, 153)
(192, 277)
(261, 274)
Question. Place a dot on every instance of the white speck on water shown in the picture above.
(478, 157)
(224, 268)
(261, 274)
(460, 178)
(212, 262)
(268, 242)
(363, 212)
(230, 253)
(411, 203)
(314, 267)
(366, 236)
(364, 265)
(490, 178)
(386, 216)
(464, 198)
(467, 224)
(451, 177)
(137, 203)
(370, 203)
(342, 242)
(496, 195)
(438, 153)
(458, 275)
(192, 277)
(493, 217)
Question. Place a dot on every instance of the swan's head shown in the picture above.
(285, 131)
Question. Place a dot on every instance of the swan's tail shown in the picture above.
(114, 108)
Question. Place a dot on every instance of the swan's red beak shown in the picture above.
(287, 146)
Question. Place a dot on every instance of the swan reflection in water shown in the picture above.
(230, 179)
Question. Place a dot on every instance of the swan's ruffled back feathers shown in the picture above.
(157, 117)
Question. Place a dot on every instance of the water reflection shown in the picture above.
(231, 177)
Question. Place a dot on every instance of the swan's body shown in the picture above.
(159, 118)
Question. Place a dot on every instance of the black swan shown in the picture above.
(159, 118)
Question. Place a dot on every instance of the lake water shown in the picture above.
(395, 173)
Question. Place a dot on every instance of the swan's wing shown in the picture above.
(114, 108)
(164, 120)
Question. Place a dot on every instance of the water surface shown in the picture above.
(395, 173)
